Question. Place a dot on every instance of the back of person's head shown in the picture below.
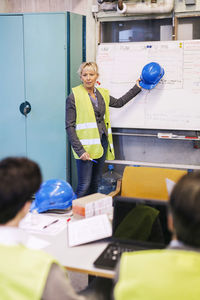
(185, 209)
(20, 178)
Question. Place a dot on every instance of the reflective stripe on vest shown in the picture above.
(90, 142)
(159, 275)
(86, 126)
(23, 272)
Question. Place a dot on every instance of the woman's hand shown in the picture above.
(138, 84)
(85, 156)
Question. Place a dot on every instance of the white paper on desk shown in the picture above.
(88, 230)
(170, 184)
(35, 243)
(35, 224)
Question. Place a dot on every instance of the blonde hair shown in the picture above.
(91, 64)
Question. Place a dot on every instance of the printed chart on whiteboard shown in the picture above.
(174, 103)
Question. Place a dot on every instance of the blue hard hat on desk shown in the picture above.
(151, 75)
(54, 194)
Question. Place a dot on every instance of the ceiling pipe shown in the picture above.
(145, 8)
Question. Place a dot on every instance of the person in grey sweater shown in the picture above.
(88, 126)
(26, 273)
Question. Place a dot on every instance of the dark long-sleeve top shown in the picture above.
(99, 111)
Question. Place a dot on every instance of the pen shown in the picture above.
(55, 221)
(96, 162)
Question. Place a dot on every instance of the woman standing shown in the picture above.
(88, 126)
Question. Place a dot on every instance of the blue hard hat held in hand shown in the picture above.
(54, 194)
(151, 75)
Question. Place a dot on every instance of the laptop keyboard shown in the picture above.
(110, 256)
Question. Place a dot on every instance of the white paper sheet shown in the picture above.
(39, 223)
(88, 230)
(35, 243)
(170, 184)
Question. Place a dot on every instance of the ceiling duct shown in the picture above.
(145, 7)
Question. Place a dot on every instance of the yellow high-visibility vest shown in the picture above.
(86, 125)
(159, 275)
(23, 272)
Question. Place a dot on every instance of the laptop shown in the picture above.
(138, 224)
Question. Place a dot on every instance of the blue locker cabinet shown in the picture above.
(33, 64)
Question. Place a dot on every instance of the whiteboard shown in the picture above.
(174, 103)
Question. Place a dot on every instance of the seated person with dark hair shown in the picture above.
(172, 273)
(25, 273)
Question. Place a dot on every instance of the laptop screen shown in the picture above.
(141, 220)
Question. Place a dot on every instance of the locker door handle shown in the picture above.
(25, 108)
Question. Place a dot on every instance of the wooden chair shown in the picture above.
(146, 182)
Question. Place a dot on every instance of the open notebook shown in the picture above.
(138, 224)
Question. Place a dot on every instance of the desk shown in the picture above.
(79, 258)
